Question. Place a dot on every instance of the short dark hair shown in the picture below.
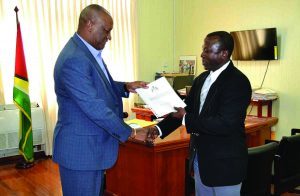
(225, 40)
(88, 13)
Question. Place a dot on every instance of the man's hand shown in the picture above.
(133, 133)
(131, 86)
(147, 135)
(152, 134)
(180, 112)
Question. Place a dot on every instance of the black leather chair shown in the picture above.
(287, 164)
(295, 131)
(180, 82)
(259, 171)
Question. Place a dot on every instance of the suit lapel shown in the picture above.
(111, 81)
(210, 95)
(95, 64)
(214, 88)
(116, 92)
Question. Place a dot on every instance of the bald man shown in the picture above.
(90, 122)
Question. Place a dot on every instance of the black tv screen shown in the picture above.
(258, 44)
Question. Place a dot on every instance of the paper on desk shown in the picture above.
(138, 123)
(160, 97)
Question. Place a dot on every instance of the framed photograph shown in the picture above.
(187, 65)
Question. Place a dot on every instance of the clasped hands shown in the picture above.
(147, 134)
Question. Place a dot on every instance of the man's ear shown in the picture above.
(89, 25)
(224, 54)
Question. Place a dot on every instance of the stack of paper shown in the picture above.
(182, 91)
(264, 94)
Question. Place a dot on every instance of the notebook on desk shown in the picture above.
(138, 123)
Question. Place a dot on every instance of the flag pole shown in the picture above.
(17, 18)
(22, 100)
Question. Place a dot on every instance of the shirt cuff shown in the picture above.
(159, 130)
(126, 90)
(183, 120)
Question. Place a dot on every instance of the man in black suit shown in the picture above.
(214, 116)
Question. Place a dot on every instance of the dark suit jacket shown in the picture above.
(218, 132)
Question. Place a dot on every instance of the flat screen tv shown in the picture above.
(258, 44)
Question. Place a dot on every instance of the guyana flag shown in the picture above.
(22, 100)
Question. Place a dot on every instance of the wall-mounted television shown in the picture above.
(257, 44)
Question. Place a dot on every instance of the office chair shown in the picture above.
(259, 170)
(295, 131)
(180, 82)
(287, 164)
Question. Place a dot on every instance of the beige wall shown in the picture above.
(193, 19)
(155, 32)
(1, 89)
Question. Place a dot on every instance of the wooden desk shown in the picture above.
(156, 170)
(159, 170)
(258, 129)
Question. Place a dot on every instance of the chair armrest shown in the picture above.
(269, 141)
(294, 131)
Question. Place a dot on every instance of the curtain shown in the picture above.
(46, 27)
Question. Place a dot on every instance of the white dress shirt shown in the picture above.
(97, 55)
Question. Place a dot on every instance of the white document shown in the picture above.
(160, 97)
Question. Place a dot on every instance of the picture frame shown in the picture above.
(187, 65)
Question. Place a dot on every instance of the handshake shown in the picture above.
(147, 134)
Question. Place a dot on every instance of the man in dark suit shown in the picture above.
(90, 122)
(214, 116)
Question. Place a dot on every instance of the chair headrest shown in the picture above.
(272, 146)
